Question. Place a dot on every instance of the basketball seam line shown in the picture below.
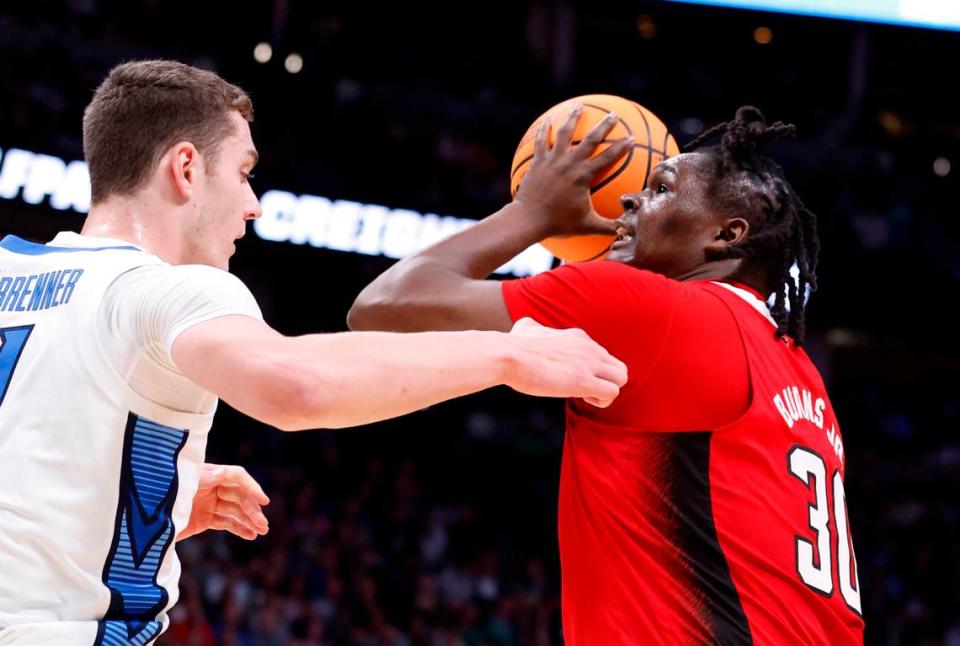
(604, 251)
(646, 174)
(626, 126)
(650, 149)
(615, 174)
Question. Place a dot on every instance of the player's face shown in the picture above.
(666, 227)
(225, 201)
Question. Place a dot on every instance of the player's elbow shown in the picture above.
(375, 311)
(405, 298)
(293, 399)
(303, 409)
(362, 315)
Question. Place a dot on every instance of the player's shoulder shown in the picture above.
(615, 271)
(620, 280)
(181, 283)
(193, 275)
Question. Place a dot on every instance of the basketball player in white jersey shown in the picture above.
(116, 343)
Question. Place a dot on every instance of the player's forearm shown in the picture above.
(346, 379)
(476, 252)
(358, 378)
(420, 292)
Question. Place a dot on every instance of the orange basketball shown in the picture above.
(652, 144)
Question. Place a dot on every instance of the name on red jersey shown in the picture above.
(794, 404)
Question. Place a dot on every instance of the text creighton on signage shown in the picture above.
(369, 229)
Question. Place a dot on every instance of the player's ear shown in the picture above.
(729, 232)
(181, 164)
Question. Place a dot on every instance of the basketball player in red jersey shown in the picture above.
(706, 505)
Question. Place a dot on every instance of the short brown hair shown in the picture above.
(144, 107)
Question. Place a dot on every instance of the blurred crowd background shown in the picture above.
(440, 528)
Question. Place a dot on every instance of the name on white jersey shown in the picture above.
(38, 291)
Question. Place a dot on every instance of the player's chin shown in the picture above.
(621, 251)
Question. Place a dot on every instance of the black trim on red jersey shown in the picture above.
(697, 541)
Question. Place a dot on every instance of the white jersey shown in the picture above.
(101, 437)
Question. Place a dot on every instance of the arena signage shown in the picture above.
(321, 222)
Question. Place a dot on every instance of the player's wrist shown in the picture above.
(504, 354)
(531, 219)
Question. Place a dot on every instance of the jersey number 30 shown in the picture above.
(12, 340)
(814, 561)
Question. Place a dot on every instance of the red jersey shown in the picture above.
(706, 504)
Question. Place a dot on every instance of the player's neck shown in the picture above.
(134, 220)
(712, 270)
(730, 271)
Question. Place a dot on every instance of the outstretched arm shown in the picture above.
(353, 378)
(443, 287)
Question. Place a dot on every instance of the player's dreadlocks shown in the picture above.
(783, 231)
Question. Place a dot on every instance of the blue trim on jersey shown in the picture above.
(144, 531)
(21, 246)
(117, 633)
(12, 341)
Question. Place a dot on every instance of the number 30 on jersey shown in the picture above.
(815, 559)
